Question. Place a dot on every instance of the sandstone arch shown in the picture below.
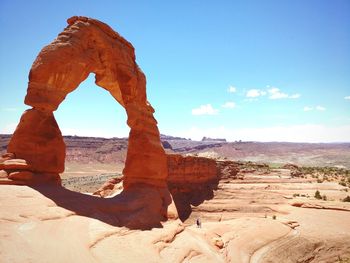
(88, 46)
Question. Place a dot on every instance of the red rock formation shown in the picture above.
(109, 187)
(88, 46)
(192, 179)
(190, 172)
(38, 140)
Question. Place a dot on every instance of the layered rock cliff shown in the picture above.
(188, 173)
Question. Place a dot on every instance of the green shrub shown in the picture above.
(342, 183)
(346, 199)
(343, 260)
(318, 195)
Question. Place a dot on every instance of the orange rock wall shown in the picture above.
(187, 173)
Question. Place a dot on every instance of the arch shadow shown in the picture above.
(135, 208)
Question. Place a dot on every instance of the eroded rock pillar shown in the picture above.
(146, 162)
(38, 140)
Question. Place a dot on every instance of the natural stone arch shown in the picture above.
(88, 46)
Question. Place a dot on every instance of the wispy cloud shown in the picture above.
(232, 89)
(318, 107)
(253, 93)
(295, 96)
(347, 97)
(276, 93)
(205, 110)
(273, 92)
(307, 108)
(229, 105)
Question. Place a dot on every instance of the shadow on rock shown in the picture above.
(193, 196)
(139, 207)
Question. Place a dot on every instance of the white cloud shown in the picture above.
(320, 108)
(232, 89)
(293, 133)
(295, 96)
(347, 97)
(205, 110)
(276, 93)
(307, 108)
(253, 93)
(229, 105)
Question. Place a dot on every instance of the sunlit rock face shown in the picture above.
(88, 46)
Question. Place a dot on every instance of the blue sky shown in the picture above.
(243, 70)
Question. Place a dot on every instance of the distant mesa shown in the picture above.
(170, 138)
(208, 139)
(167, 145)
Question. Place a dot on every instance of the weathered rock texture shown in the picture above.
(193, 179)
(191, 173)
(88, 46)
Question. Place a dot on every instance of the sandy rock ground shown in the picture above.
(258, 219)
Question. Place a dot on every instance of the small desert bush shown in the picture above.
(325, 172)
(324, 197)
(318, 195)
(343, 260)
(274, 217)
(346, 199)
(342, 183)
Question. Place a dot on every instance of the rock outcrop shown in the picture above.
(191, 173)
(208, 139)
(88, 46)
(186, 173)
(18, 171)
(193, 179)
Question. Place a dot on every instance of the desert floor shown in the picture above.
(262, 218)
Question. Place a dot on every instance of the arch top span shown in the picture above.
(87, 46)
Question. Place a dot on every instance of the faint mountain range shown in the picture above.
(102, 150)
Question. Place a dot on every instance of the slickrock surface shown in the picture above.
(50, 224)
